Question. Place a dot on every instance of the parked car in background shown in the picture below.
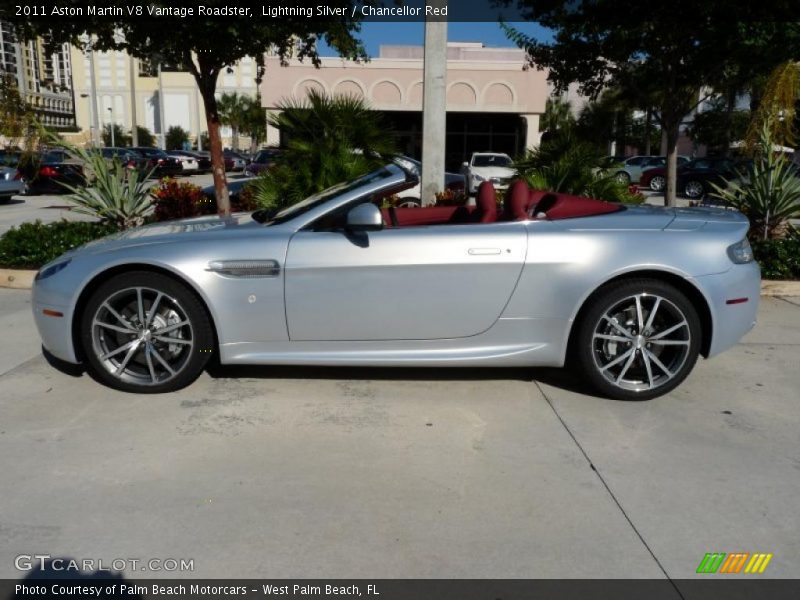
(188, 163)
(129, 158)
(632, 168)
(162, 164)
(412, 196)
(495, 167)
(11, 183)
(234, 161)
(262, 161)
(203, 159)
(695, 181)
(235, 188)
(55, 169)
(656, 178)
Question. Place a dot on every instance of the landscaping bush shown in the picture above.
(31, 245)
(779, 258)
(179, 200)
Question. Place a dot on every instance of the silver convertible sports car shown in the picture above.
(628, 295)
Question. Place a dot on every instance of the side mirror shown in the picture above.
(464, 165)
(364, 217)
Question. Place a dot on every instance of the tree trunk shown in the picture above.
(207, 87)
(648, 131)
(235, 138)
(671, 133)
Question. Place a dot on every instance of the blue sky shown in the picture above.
(376, 33)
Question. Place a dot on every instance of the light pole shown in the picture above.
(91, 118)
(111, 125)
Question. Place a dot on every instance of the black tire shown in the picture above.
(191, 347)
(596, 354)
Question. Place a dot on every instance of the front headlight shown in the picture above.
(477, 177)
(52, 269)
(740, 253)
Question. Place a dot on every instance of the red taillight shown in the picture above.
(48, 172)
(17, 175)
(161, 161)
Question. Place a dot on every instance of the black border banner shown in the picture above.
(106, 586)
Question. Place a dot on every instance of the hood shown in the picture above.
(171, 231)
(501, 172)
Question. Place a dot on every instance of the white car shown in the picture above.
(11, 183)
(488, 166)
(188, 163)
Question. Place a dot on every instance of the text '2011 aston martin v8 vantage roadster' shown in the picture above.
(629, 296)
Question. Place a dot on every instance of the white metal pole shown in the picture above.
(111, 125)
(134, 124)
(161, 109)
(93, 98)
(434, 107)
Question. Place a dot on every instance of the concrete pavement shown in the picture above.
(300, 472)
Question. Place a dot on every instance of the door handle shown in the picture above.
(483, 251)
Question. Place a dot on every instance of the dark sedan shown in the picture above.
(262, 161)
(698, 169)
(53, 171)
(162, 164)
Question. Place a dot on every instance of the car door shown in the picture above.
(408, 283)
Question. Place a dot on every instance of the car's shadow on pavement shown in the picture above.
(565, 379)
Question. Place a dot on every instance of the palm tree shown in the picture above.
(330, 139)
(232, 112)
(557, 115)
(778, 107)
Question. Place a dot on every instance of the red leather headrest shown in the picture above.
(516, 201)
(486, 202)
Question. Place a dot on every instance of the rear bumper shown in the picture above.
(733, 300)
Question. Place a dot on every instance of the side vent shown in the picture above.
(247, 269)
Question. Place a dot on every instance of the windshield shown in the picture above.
(491, 160)
(319, 198)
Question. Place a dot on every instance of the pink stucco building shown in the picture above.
(493, 102)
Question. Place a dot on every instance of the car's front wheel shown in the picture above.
(638, 339)
(658, 183)
(145, 332)
(623, 177)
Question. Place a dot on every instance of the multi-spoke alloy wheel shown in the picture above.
(639, 339)
(694, 189)
(145, 332)
(658, 183)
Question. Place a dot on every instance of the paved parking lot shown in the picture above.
(292, 472)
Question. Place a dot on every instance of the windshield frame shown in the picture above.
(317, 205)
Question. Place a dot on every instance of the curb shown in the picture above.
(20, 279)
(17, 279)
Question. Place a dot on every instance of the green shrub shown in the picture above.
(31, 245)
(779, 258)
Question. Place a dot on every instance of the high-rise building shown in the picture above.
(44, 79)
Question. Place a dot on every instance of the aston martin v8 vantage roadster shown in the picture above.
(628, 296)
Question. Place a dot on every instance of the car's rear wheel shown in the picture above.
(658, 183)
(694, 189)
(638, 339)
(145, 332)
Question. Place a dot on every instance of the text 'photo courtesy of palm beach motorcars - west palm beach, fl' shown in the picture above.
(291, 293)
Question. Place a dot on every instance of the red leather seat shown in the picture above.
(486, 204)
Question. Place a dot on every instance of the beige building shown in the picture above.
(44, 80)
(183, 104)
(493, 103)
